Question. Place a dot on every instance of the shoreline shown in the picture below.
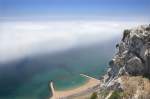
(88, 87)
(72, 87)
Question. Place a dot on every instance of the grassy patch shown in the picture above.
(134, 84)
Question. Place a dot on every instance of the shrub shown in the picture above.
(94, 96)
(115, 95)
(146, 75)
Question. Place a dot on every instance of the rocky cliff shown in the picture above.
(129, 70)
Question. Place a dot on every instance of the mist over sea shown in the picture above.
(28, 77)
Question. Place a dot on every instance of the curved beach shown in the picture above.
(89, 87)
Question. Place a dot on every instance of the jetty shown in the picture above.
(52, 90)
(83, 75)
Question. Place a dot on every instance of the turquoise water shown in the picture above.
(29, 78)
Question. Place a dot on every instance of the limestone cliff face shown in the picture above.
(132, 57)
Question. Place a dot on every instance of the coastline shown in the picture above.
(90, 86)
(76, 85)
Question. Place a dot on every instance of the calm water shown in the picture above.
(28, 78)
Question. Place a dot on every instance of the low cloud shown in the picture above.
(18, 39)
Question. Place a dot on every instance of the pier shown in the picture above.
(83, 75)
(52, 90)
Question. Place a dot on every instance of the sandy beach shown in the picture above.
(87, 88)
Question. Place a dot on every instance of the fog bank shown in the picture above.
(19, 39)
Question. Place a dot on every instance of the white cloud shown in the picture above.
(18, 39)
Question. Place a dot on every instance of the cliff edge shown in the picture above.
(128, 75)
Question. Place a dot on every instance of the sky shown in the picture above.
(74, 9)
(29, 27)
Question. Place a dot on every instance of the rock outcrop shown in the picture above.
(132, 59)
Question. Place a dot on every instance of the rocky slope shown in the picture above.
(129, 69)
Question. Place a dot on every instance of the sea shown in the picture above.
(29, 77)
